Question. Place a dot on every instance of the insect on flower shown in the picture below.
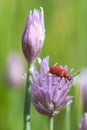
(49, 94)
(60, 71)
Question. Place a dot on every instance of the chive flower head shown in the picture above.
(49, 92)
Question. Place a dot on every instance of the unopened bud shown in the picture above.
(34, 35)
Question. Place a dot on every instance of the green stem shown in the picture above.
(27, 100)
(51, 123)
(68, 117)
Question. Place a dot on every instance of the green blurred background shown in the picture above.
(65, 43)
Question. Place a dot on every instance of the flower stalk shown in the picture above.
(68, 117)
(51, 123)
(27, 100)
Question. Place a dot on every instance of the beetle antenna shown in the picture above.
(75, 74)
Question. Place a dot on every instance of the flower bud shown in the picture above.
(34, 35)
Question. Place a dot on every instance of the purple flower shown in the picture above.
(15, 70)
(49, 92)
(34, 35)
(82, 82)
(83, 125)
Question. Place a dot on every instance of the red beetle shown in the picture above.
(59, 71)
